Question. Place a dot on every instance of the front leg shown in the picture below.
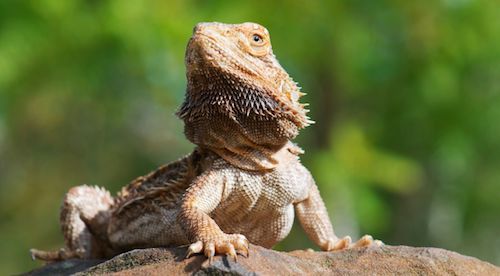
(200, 199)
(314, 219)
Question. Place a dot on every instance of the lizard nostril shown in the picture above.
(196, 28)
(199, 27)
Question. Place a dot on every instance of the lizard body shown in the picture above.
(243, 182)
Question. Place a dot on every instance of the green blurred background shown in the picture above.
(405, 95)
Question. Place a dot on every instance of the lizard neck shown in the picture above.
(242, 141)
(258, 159)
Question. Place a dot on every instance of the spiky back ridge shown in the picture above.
(163, 187)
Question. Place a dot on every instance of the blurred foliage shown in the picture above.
(406, 96)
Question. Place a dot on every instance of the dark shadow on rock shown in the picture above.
(64, 268)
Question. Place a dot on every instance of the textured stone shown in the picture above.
(387, 260)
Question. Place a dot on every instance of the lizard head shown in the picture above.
(233, 66)
(235, 79)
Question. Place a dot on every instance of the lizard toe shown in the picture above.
(229, 245)
(55, 256)
(365, 241)
(209, 251)
(343, 243)
(228, 248)
(241, 245)
(194, 248)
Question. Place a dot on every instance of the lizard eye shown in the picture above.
(259, 44)
(257, 38)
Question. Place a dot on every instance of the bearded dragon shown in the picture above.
(242, 184)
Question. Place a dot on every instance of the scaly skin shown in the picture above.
(244, 181)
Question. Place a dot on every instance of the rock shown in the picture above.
(386, 260)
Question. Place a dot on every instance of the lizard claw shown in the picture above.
(241, 245)
(243, 251)
(378, 243)
(229, 245)
(365, 241)
(337, 244)
(231, 252)
(210, 251)
(343, 243)
(194, 248)
(346, 243)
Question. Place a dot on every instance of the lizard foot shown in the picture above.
(230, 245)
(367, 241)
(346, 243)
(54, 256)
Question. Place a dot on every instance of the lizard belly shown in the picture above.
(259, 206)
(271, 227)
(262, 225)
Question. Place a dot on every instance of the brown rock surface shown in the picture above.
(387, 260)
